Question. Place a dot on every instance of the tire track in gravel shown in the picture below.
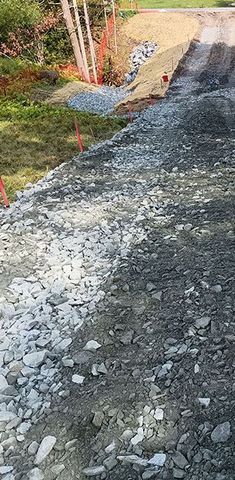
(134, 242)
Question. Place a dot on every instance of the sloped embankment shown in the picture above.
(173, 32)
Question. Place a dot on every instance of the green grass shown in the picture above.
(36, 138)
(177, 3)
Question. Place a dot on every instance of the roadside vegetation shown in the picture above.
(36, 138)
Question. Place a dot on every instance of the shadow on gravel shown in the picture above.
(133, 326)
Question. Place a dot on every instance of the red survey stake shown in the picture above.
(4, 195)
(78, 136)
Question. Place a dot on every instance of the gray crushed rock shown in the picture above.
(138, 57)
(78, 251)
(102, 101)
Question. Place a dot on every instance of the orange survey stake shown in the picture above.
(4, 195)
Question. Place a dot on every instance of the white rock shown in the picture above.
(6, 416)
(79, 379)
(202, 322)
(196, 368)
(92, 346)
(36, 474)
(204, 401)
(133, 459)
(216, 288)
(94, 471)
(5, 469)
(158, 459)
(67, 362)
(159, 414)
(221, 433)
(110, 447)
(63, 345)
(35, 359)
(138, 437)
(44, 449)
(3, 383)
(33, 448)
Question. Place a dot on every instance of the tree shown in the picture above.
(73, 36)
(15, 14)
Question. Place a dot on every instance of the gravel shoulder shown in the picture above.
(127, 247)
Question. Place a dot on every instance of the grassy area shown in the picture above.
(177, 3)
(35, 138)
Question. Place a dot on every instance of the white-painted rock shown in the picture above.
(92, 346)
(44, 449)
(35, 359)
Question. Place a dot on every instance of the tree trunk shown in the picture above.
(73, 36)
(81, 40)
(91, 45)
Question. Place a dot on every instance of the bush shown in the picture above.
(10, 66)
(16, 14)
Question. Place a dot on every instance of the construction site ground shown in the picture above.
(117, 276)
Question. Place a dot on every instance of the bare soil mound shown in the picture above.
(173, 33)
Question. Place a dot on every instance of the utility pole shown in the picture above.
(72, 34)
(90, 40)
(81, 40)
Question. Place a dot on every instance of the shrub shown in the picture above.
(16, 14)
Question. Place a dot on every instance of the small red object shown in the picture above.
(165, 78)
(78, 136)
(4, 195)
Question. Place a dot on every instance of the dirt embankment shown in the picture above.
(173, 32)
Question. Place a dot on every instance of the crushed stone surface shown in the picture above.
(101, 101)
(116, 286)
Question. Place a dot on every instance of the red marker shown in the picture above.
(4, 195)
(78, 136)
(165, 78)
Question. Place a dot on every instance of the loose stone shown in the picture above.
(94, 471)
(45, 448)
(221, 433)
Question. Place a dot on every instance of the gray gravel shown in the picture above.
(116, 306)
(101, 101)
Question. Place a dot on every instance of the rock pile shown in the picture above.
(138, 57)
(102, 101)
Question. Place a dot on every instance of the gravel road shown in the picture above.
(116, 298)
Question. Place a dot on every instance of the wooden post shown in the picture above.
(114, 26)
(81, 41)
(90, 40)
(105, 17)
(72, 34)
